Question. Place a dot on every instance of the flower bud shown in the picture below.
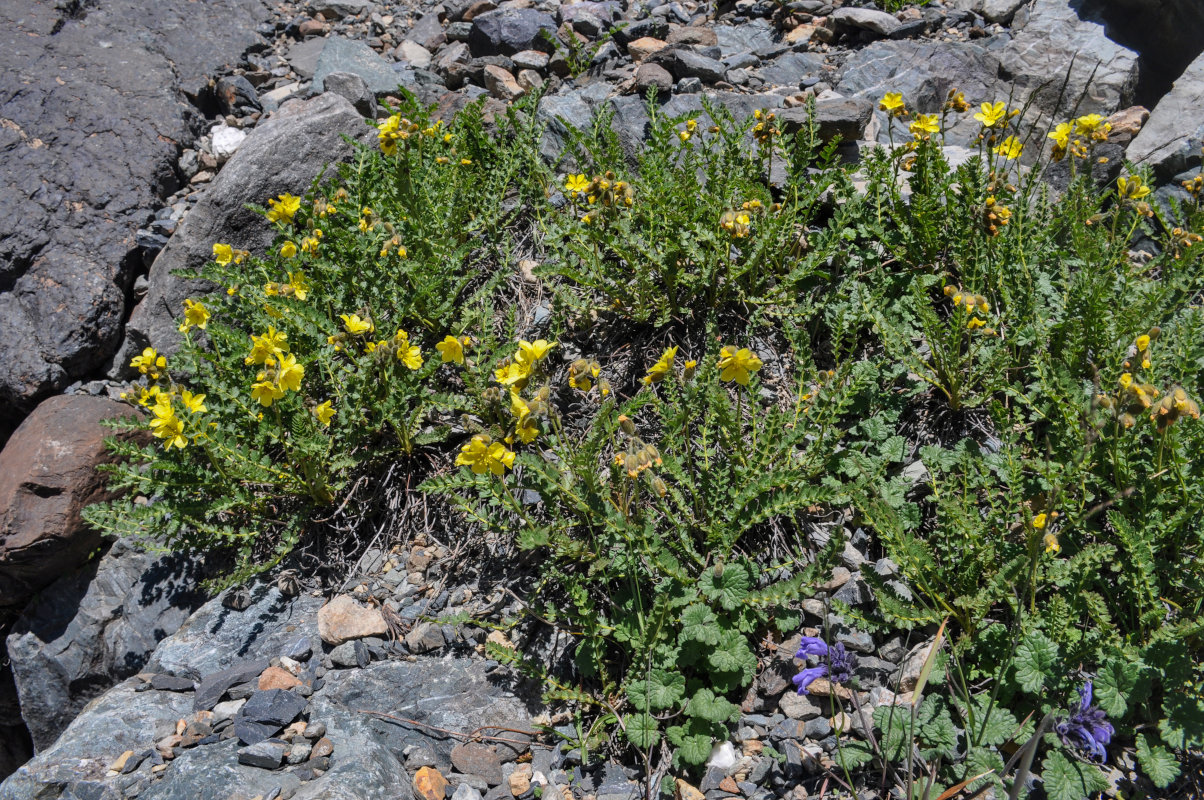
(627, 425)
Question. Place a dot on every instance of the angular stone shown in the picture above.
(424, 637)
(530, 59)
(277, 678)
(865, 19)
(501, 84)
(354, 89)
(349, 55)
(171, 683)
(413, 54)
(799, 706)
(429, 784)
(1171, 139)
(274, 707)
(47, 477)
(692, 36)
(427, 31)
(343, 619)
(250, 732)
(509, 30)
(213, 686)
(649, 76)
(474, 758)
(265, 755)
(644, 47)
(845, 117)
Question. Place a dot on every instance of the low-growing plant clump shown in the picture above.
(679, 379)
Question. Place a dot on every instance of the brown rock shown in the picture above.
(1129, 120)
(822, 687)
(728, 785)
(277, 678)
(802, 33)
(520, 780)
(311, 27)
(692, 35)
(47, 477)
(119, 764)
(529, 80)
(474, 758)
(648, 76)
(430, 784)
(322, 748)
(479, 7)
(687, 792)
(343, 619)
(501, 84)
(645, 46)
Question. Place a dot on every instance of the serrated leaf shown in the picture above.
(851, 755)
(982, 760)
(699, 624)
(1112, 685)
(992, 725)
(642, 730)
(893, 722)
(729, 588)
(1158, 763)
(692, 748)
(1035, 658)
(705, 705)
(661, 690)
(1070, 780)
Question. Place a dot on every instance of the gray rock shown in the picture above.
(357, 58)
(799, 706)
(94, 125)
(923, 72)
(653, 76)
(790, 69)
(354, 89)
(171, 683)
(303, 57)
(424, 637)
(1061, 53)
(744, 38)
(214, 685)
(413, 54)
(688, 64)
(865, 19)
(854, 592)
(475, 758)
(1171, 139)
(427, 32)
(282, 154)
(506, 31)
(652, 27)
(235, 95)
(338, 9)
(591, 18)
(93, 629)
(274, 707)
(265, 755)
(466, 792)
(845, 117)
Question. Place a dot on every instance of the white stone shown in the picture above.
(225, 141)
(723, 756)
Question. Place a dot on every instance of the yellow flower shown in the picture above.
(1131, 189)
(1051, 544)
(270, 346)
(195, 403)
(407, 353)
(1126, 380)
(991, 114)
(1089, 124)
(288, 250)
(169, 428)
(355, 325)
(149, 363)
(737, 365)
(195, 316)
(1061, 134)
(658, 371)
(684, 136)
(223, 254)
(299, 284)
(892, 103)
(483, 455)
(310, 243)
(451, 350)
(1143, 342)
(924, 125)
(290, 374)
(324, 412)
(283, 208)
(1039, 521)
(576, 183)
(388, 132)
(1010, 148)
(512, 374)
(264, 391)
(532, 353)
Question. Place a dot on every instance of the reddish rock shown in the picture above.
(429, 784)
(47, 477)
(343, 619)
(277, 678)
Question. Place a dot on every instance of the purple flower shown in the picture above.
(837, 663)
(1087, 727)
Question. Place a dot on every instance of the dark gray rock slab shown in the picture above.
(274, 707)
(746, 37)
(789, 69)
(94, 124)
(282, 154)
(1171, 139)
(265, 755)
(95, 628)
(355, 57)
(1061, 53)
(846, 117)
(214, 685)
(506, 31)
(864, 19)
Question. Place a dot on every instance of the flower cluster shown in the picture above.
(149, 362)
(482, 455)
(583, 373)
(605, 191)
(1087, 727)
(995, 215)
(281, 373)
(282, 209)
(517, 370)
(451, 349)
(663, 366)
(298, 286)
(392, 130)
(975, 307)
(639, 457)
(1076, 137)
(837, 664)
(765, 128)
(224, 254)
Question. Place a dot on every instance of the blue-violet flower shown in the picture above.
(1087, 727)
(838, 664)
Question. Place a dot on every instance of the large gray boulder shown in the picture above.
(94, 629)
(507, 31)
(1061, 55)
(282, 154)
(1171, 139)
(349, 56)
(94, 122)
(923, 72)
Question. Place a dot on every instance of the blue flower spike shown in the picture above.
(1087, 727)
(837, 664)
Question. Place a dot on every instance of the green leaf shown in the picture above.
(699, 624)
(1035, 657)
(982, 760)
(936, 731)
(893, 722)
(1158, 763)
(992, 724)
(1113, 684)
(1070, 780)
(661, 690)
(692, 748)
(642, 730)
(728, 588)
(851, 754)
(706, 706)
